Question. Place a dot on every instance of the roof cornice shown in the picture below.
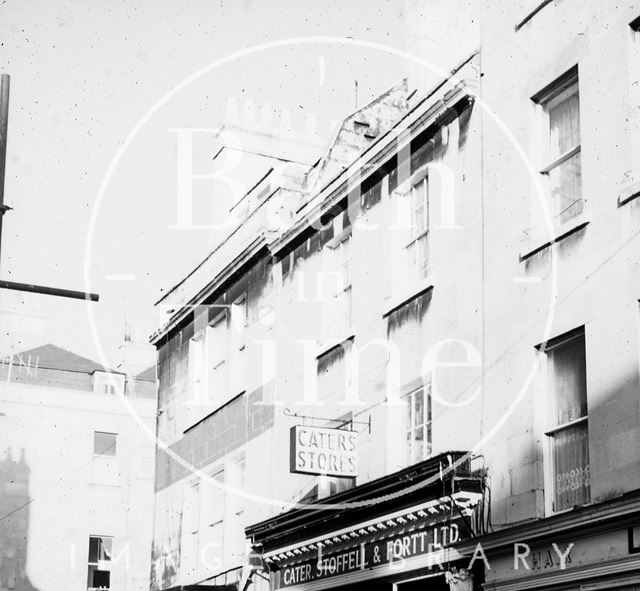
(417, 120)
(230, 269)
(379, 152)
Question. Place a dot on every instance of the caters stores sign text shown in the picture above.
(331, 452)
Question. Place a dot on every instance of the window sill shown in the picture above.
(567, 425)
(110, 482)
(405, 297)
(339, 238)
(405, 187)
(629, 192)
(543, 238)
(552, 513)
(532, 12)
(326, 346)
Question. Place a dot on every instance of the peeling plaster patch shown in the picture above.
(412, 311)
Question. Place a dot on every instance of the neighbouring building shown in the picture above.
(414, 362)
(565, 469)
(76, 473)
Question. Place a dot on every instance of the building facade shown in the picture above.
(415, 362)
(76, 511)
(576, 431)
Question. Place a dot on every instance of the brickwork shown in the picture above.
(226, 430)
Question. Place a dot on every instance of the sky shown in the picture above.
(84, 73)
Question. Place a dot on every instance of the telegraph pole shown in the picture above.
(4, 127)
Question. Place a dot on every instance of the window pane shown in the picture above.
(216, 541)
(571, 462)
(105, 548)
(418, 256)
(411, 255)
(418, 431)
(422, 256)
(99, 550)
(346, 309)
(420, 207)
(104, 444)
(429, 433)
(217, 498)
(418, 445)
(419, 413)
(564, 122)
(191, 508)
(98, 579)
(569, 367)
(197, 374)
(239, 314)
(218, 336)
(417, 250)
(410, 446)
(339, 485)
(94, 549)
(346, 263)
(566, 180)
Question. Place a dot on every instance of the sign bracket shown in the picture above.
(290, 413)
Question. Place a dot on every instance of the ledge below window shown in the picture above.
(406, 296)
(629, 192)
(532, 12)
(330, 344)
(544, 238)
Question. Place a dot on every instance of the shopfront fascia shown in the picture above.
(402, 527)
(594, 548)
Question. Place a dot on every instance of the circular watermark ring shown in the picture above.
(347, 42)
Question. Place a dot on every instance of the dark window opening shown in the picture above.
(104, 444)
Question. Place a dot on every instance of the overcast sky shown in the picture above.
(83, 73)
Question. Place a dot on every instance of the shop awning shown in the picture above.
(432, 482)
(228, 580)
(416, 515)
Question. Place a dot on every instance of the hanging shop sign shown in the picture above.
(371, 551)
(322, 451)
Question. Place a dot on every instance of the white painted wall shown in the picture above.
(75, 495)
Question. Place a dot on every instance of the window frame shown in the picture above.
(343, 252)
(115, 445)
(234, 509)
(96, 563)
(550, 96)
(339, 259)
(217, 515)
(215, 518)
(221, 363)
(108, 383)
(552, 425)
(426, 425)
(191, 526)
(198, 375)
(235, 471)
(240, 318)
(630, 186)
(221, 317)
(237, 347)
(418, 236)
